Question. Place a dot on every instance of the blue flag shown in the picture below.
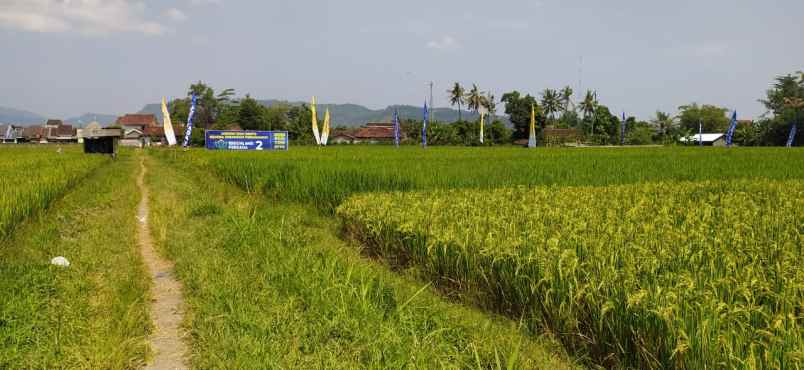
(732, 128)
(189, 129)
(792, 137)
(424, 126)
(396, 127)
(700, 133)
(622, 131)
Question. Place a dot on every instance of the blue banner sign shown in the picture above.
(246, 140)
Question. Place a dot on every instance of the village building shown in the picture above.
(560, 136)
(717, 139)
(371, 133)
(140, 130)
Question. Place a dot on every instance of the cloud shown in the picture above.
(88, 17)
(446, 42)
(205, 2)
(175, 15)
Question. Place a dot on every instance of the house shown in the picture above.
(707, 139)
(61, 133)
(137, 129)
(10, 134)
(559, 136)
(35, 134)
(371, 133)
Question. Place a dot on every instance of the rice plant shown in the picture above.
(32, 177)
(658, 275)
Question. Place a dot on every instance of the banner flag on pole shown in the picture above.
(396, 127)
(189, 129)
(482, 117)
(424, 125)
(532, 137)
(700, 133)
(732, 128)
(315, 122)
(167, 124)
(792, 137)
(325, 130)
(622, 131)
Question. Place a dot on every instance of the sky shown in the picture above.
(63, 58)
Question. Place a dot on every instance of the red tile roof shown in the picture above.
(63, 130)
(375, 131)
(137, 120)
(154, 131)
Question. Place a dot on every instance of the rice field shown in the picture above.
(657, 275)
(32, 177)
(638, 257)
(326, 177)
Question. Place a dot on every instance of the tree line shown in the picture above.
(555, 108)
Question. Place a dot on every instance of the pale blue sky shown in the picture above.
(66, 57)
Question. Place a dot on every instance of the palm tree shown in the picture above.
(551, 102)
(588, 106)
(490, 104)
(566, 98)
(474, 99)
(456, 97)
(663, 122)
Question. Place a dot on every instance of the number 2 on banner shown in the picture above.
(259, 145)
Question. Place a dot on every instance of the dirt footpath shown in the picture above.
(167, 304)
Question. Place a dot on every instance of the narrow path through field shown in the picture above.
(167, 304)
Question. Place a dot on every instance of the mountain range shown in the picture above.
(347, 115)
(26, 118)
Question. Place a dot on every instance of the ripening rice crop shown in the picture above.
(653, 275)
(325, 177)
(31, 178)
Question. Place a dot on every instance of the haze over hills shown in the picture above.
(354, 115)
(348, 115)
(26, 118)
(87, 118)
(20, 117)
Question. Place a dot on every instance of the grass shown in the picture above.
(269, 285)
(31, 177)
(94, 313)
(659, 275)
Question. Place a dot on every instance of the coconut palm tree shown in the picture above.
(663, 122)
(490, 104)
(566, 98)
(551, 102)
(456, 97)
(588, 104)
(474, 99)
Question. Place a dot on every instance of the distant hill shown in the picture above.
(86, 118)
(20, 117)
(353, 115)
(349, 115)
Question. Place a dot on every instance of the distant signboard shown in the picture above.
(247, 140)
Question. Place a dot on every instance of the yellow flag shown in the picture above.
(532, 137)
(482, 123)
(315, 122)
(168, 126)
(325, 130)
